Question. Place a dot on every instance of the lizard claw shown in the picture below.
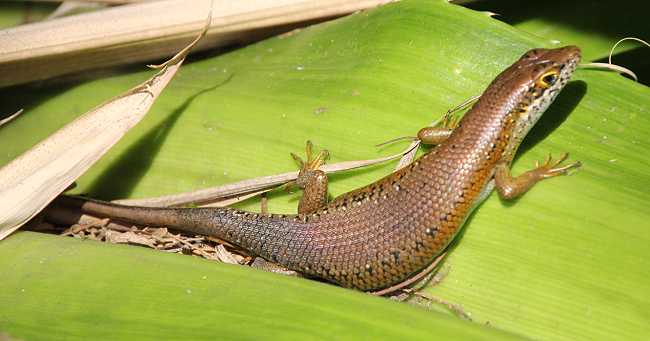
(552, 168)
(298, 159)
(311, 164)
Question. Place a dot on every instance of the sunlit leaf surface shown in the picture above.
(567, 261)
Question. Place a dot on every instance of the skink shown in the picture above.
(384, 233)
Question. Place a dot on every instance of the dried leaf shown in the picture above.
(409, 156)
(128, 238)
(31, 181)
(160, 232)
(225, 256)
(149, 31)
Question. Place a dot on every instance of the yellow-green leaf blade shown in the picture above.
(567, 261)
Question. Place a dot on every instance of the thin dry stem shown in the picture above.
(614, 67)
(10, 117)
(609, 59)
(244, 187)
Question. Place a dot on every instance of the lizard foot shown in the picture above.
(308, 168)
(311, 179)
(552, 168)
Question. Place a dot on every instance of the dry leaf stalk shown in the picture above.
(149, 31)
(245, 188)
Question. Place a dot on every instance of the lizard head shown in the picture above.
(529, 86)
(542, 74)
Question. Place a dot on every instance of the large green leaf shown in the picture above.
(567, 261)
(60, 288)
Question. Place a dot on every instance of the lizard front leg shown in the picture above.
(312, 180)
(510, 187)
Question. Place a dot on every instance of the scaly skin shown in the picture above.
(386, 232)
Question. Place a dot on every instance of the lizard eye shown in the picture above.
(548, 79)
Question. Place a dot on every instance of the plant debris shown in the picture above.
(157, 238)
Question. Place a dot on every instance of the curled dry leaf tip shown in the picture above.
(178, 57)
(614, 67)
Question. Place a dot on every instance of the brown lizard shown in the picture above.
(388, 231)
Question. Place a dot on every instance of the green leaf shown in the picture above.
(593, 25)
(567, 261)
(61, 288)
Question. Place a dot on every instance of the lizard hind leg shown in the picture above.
(442, 129)
(440, 132)
(312, 180)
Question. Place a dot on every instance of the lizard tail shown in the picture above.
(260, 235)
(175, 218)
